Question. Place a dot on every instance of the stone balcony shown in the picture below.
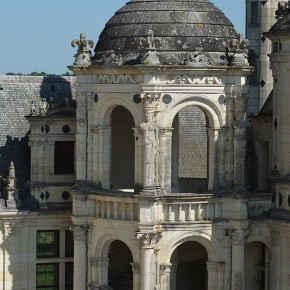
(177, 208)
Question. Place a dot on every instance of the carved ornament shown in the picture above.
(135, 267)
(83, 57)
(165, 268)
(238, 281)
(149, 239)
(239, 237)
(79, 231)
(116, 79)
(204, 80)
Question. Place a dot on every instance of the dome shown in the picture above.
(181, 28)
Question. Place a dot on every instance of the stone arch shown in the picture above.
(103, 245)
(261, 239)
(256, 264)
(216, 116)
(208, 242)
(107, 104)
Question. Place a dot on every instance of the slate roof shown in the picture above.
(16, 94)
(182, 26)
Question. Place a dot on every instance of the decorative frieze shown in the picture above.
(149, 239)
(203, 80)
(116, 79)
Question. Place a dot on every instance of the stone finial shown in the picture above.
(83, 57)
(43, 107)
(33, 111)
(11, 178)
(12, 201)
(150, 41)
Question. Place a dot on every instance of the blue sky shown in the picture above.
(36, 35)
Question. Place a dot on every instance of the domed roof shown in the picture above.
(180, 27)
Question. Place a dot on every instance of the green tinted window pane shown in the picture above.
(47, 244)
(69, 271)
(69, 244)
(47, 276)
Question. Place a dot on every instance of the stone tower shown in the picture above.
(260, 16)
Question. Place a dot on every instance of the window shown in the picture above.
(64, 157)
(47, 276)
(47, 244)
(254, 13)
(54, 253)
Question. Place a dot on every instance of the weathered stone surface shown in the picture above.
(182, 26)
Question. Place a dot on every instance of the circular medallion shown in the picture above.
(66, 129)
(167, 99)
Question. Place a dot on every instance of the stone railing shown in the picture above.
(188, 208)
(116, 207)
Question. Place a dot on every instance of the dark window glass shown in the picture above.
(47, 244)
(47, 277)
(69, 244)
(69, 270)
(254, 13)
(64, 157)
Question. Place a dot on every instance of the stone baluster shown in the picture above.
(80, 256)
(115, 210)
(170, 213)
(132, 211)
(148, 242)
(189, 212)
(238, 252)
(164, 271)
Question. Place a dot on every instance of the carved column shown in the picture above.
(164, 270)
(275, 280)
(136, 273)
(90, 136)
(229, 146)
(80, 255)
(223, 133)
(94, 269)
(165, 159)
(81, 135)
(96, 152)
(238, 255)
(104, 267)
(239, 143)
(138, 157)
(213, 158)
(151, 142)
(228, 259)
(148, 272)
(215, 277)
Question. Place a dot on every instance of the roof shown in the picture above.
(180, 27)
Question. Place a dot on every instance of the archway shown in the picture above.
(122, 149)
(189, 268)
(120, 275)
(256, 266)
(190, 151)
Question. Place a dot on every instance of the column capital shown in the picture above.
(165, 268)
(163, 131)
(216, 266)
(135, 267)
(239, 237)
(94, 261)
(79, 231)
(149, 240)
